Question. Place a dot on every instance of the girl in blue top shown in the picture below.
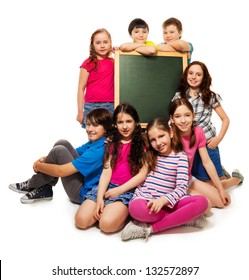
(78, 168)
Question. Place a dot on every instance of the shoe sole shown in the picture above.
(29, 201)
(16, 190)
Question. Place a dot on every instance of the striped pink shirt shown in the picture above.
(170, 179)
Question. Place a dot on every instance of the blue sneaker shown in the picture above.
(42, 193)
(22, 187)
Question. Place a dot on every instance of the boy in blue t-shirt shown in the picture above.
(79, 169)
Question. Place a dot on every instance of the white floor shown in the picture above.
(37, 238)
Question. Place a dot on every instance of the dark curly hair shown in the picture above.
(137, 155)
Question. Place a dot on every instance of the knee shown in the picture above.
(61, 142)
(81, 222)
(137, 208)
(107, 225)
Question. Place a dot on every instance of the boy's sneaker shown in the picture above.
(226, 173)
(200, 222)
(133, 231)
(22, 187)
(42, 193)
(236, 173)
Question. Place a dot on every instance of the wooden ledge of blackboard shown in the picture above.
(174, 54)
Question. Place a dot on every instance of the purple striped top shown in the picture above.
(169, 179)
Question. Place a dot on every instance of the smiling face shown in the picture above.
(195, 76)
(102, 44)
(171, 33)
(94, 131)
(160, 140)
(139, 35)
(183, 119)
(125, 125)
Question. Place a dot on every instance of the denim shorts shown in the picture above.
(124, 197)
(89, 106)
(199, 171)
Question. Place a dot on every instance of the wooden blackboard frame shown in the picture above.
(121, 78)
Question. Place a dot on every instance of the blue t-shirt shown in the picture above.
(90, 164)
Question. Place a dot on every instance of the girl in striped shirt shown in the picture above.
(162, 200)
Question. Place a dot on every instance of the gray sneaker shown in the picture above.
(133, 231)
(22, 187)
(200, 222)
(236, 173)
(39, 194)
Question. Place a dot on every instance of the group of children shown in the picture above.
(170, 175)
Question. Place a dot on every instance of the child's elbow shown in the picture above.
(152, 50)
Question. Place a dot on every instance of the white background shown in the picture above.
(42, 46)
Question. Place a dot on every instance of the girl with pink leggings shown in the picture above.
(183, 212)
(161, 200)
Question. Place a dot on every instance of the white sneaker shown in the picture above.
(200, 222)
(133, 231)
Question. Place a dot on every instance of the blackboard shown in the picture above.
(148, 82)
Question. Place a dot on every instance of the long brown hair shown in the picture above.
(92, 51)
(205, 85)
(151, 153)
(173, 106)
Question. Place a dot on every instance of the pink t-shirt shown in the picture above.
(100, 83)
(121, 173)
(200, 142)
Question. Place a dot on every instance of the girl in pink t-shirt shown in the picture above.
(193, 139)
(124, 169)
(96, 79)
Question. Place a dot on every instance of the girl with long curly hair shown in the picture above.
(124, 169)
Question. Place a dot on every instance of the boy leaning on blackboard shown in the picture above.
(139, 31)
(172, 34)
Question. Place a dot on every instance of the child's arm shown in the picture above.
(177, 46)
(210, 168)
(165, 48)
(214, 142)
(132, 183)
(129, 47)
(104, 181)
(83, 77)
(140, 48)
(54, 170)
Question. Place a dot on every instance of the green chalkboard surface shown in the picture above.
(148, 82)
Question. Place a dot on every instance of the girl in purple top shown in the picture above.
(162, 199)
(96, 79)
(123, 171)
(193, 139)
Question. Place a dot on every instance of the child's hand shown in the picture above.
(99, 209)
(156, 205)
(80, 117)
(35, 164)
(113, 193)
(225, 197)
(213, 143)
(108, 140)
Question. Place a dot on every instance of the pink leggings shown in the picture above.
(184, 211)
